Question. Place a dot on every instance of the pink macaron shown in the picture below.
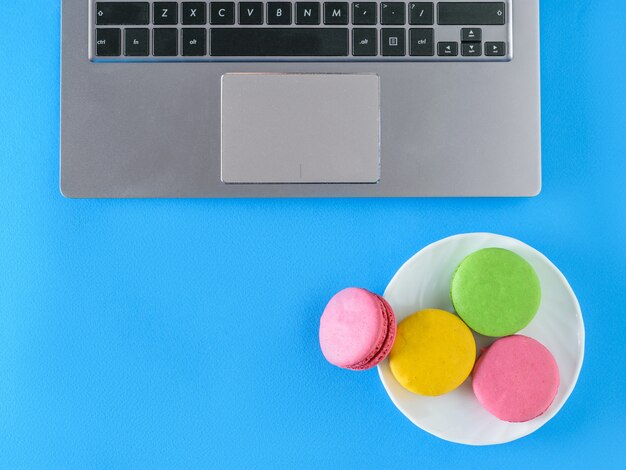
(357, 329)
(516, 379)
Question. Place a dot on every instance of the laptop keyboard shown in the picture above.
(300, 31)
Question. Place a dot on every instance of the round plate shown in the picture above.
(424, 281)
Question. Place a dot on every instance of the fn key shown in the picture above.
(136, 42)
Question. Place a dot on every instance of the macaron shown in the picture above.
(357, 329)
(516, 379)
(495, 291)
(433, 354)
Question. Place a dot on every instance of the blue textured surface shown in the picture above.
(183, 333)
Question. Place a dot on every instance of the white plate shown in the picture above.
(424, 281)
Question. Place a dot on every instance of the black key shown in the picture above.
(364, 13)
(222, 13)
(114, 13)
(250, 13)
(421, 42)
(471, 49)
(194, 41)
(448, 49)
(471, 13)
(165, 13)
(336, 13)
(108, 42)
(279, 13)
(495, 49)
(364, 42)
(421, 13)
(277, 42)
(392, 13)
(392, 41)
(471, 34)
(194, 13)
(136, 42)
(165, 42)
(308, 13)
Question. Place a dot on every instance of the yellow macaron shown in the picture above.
(433, 354)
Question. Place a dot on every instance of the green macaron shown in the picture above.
(495, 291)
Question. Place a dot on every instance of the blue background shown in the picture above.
(183, 333)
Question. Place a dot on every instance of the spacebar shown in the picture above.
(268, 42)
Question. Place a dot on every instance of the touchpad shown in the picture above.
(300, 128)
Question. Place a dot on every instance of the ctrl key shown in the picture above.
(108, 42)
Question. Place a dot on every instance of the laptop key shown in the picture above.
(471, 34)
(278, 42)
(392, 42)
(392, 13)
(165, 13)
(126, 13)
(364, 42)
(421, 13)
(495, 49)
(194, 13)
(108, 42)
(471, 13)
(279, 13)
(450, 49)
(136, 42)
(421, 42)
(250, 13)
(165, 42)
(336, 13)
(307, 13)
(222, 13)
(471, 49)
(364, 13)
(194, 42)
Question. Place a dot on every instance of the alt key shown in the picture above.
(194, 42)
(364, 42)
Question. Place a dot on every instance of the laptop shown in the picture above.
(300, 99)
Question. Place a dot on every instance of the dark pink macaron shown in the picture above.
(357, 329)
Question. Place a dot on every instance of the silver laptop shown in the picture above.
(300, 99)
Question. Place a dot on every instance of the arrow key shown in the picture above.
(449, 49)
(470, 49)
(495, 49)
(471, 34)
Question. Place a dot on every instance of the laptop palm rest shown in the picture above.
(300, 128)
